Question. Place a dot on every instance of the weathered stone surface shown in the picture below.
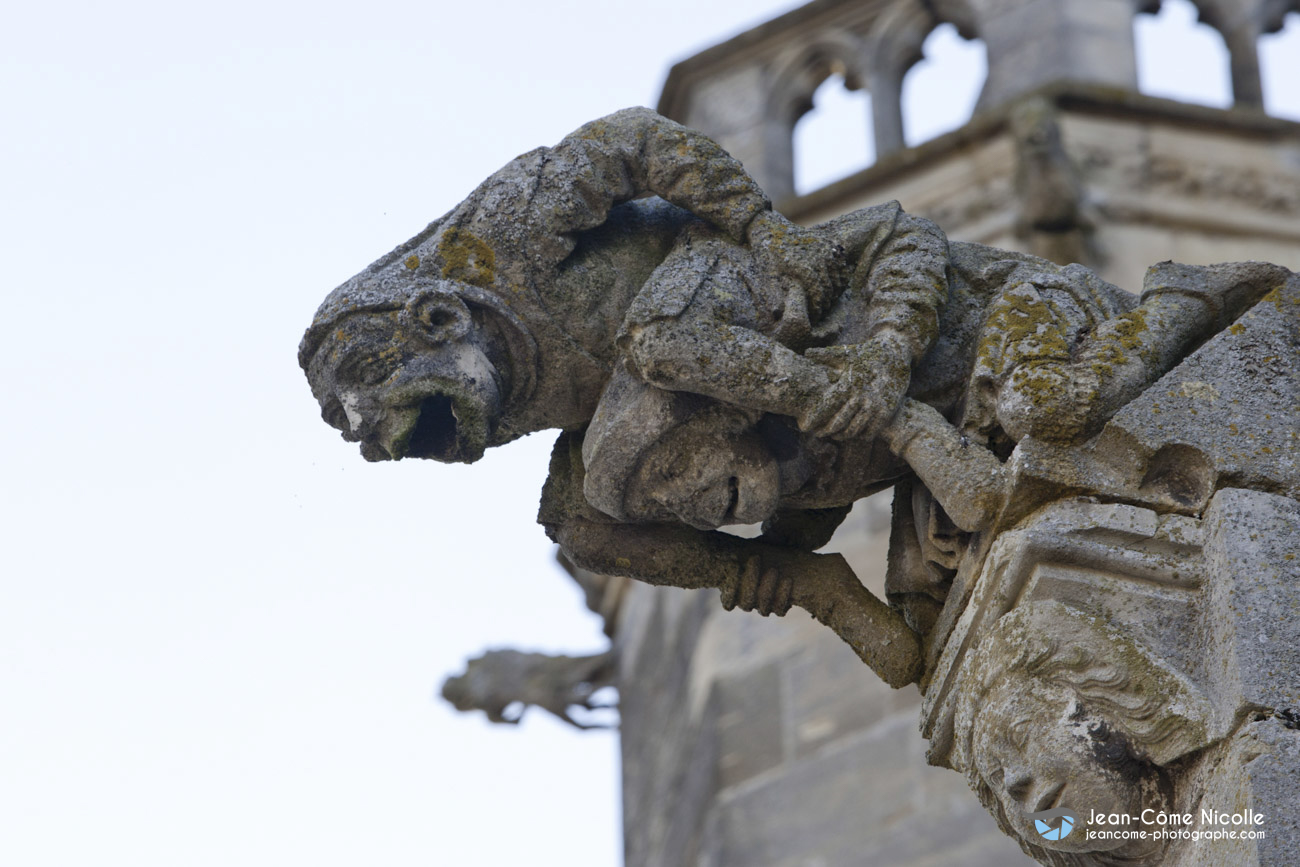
(1068, 551)
(660, 778)
(1252, 613)
(1230, 414)
(1175, 634)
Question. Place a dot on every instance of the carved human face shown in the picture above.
(409, 383)
(706, 474)
(1037, 747)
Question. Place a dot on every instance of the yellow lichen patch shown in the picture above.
(1129, 326)
(597, 130)
(412, 262)
(1022, 327)
(1275, 298)
(466, 257)
(1236, 328)
(622, 562)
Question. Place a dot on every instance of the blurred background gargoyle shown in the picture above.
(505, 683)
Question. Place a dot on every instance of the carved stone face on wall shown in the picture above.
(1061, 708)
(654, 455)
(1038, 747)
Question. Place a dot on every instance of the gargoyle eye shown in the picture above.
(365, 371)
(1020, 734)
(440, 316)
(374, 372)
(437, 317)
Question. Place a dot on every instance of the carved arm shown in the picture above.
(532, 210)
(754, 576)
(967, 479)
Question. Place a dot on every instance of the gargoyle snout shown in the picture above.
(443, 408)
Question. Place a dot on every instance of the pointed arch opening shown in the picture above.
(1178, 57)
(833, 138)
(1279, 61)
(939, 92)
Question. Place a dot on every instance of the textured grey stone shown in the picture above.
(1253, 604)
(1176, 635)
(748, 710)
(819, 797)
(733, 367)
(1229, 414)
(832, 696)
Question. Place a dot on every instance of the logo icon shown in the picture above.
(1049, 830)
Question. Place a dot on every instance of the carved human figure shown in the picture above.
(1025, 348)
(506, 315)
(510, 314)
(651, 455)
(1056, 709)
(709, 363)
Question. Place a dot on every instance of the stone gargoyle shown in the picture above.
(505, 683)
(736, 368)
(1065, 536)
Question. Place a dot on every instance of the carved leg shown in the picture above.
(1065, 400)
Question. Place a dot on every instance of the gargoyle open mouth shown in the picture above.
(439, 427)
(434, 435)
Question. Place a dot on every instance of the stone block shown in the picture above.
(1112, 17)
(1232, 408)
(856, 804)
(1254, 598)
(832, 696)
(748, 709)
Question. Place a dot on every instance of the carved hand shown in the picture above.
(790, 253)
(872, 379)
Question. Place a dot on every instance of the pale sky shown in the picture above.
(222, 632)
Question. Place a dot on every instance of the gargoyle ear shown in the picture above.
(440, 317)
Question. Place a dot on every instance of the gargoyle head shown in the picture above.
(422, 368)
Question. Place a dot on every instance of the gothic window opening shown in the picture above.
(834, 138)
(940, 91)
(1279, 61)
(1180, 58)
